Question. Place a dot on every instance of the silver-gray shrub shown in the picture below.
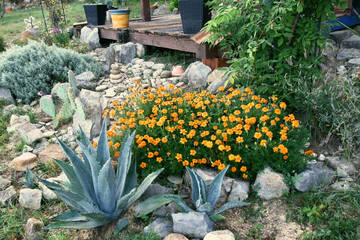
(37, 67)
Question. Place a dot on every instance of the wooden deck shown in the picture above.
(162, 31)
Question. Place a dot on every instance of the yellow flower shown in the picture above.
(231, 157)
(150, 154)
(143, 165)
(185, 163)
(283, 105)
(164, 140)
(159, 159)
(192, 152)
(263, 143)
(243, 169)
(257, 135)
(116, 145)
(183, 140)
(238, 158)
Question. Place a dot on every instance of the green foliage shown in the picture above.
(36, 67)
(173, 4)
(29, 177)
(2, 44)
(338, 213)
(273, 44)
(4, 136)
(96, 193)
(20, 145)
(204, 199)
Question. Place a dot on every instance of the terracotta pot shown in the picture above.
(9, 9)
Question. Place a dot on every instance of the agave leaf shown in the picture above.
(180, 203)
(229, 205)
(121, 224)
(86, 141)
(123, 202)
(151, 204)
(206, 207)
(215, 188)
(69, 216)
(195, 188)
(99, 217)
(75, 224)
(123, 164)
(80, 170)
(70, 174)
(203, 188)
(217, 218)
(103, 152)
(106, 181)
(144, 186)
(29, 178)
(131, 179)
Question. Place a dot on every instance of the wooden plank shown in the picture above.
(145, 10)
(108, 34)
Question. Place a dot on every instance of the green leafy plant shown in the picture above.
(2, 44)
(70, 104)
(204, 199)
(44, 67)
(29, 177)
(96, 194)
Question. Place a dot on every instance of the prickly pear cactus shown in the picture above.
(71, 98)
(72, 82)
(80, 109)
(62, 92)
(47, 105)
(66, 112)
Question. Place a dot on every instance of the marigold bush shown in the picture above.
(176, 128)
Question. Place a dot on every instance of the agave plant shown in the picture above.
(204, 199)
(96, 193)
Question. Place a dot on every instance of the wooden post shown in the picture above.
(145, 10)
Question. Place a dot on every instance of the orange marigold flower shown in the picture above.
(221, 166)
(263, 143)
(110, 143)
(285, 157)
(283, 105)
(116, 145)
(196, 143)
(95, 144)
(275, 149)
(159, 159)
(243, 169)
(257, 135)
(150, 154)
(143, 165)
(192, 152)
(192, 164)
(231, 157)
(233, 169)
(245, 176)
(239, 139)
(164, 140)
(116, 154)
(168, 153)
(183, 140)
(156, 153)
(185, 163)
(295, 124)
(277, 111)
(309, 152)
(265, 109)
(238, 158)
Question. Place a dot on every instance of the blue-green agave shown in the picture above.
(204, 199)
(96, 193)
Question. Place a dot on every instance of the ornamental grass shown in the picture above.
(177, 128)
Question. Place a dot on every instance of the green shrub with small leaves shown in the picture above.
(36, 67)
(2, 44)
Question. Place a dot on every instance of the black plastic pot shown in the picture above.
(95, 14)
(194, 15)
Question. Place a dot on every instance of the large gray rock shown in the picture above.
(315, 177)
(166, 210)
(339, 36)
(161, 227)
(196, 75)
(354, 61)
(30, 198)
(85, 32)
(109, 57)
(6, 195)
(352, 42)
(32, 228)
(5, 96)
(215, 75)
(347, 54)
(93, 108)
(140, 50)
(239, 191)
(125, 53)
(269, 184)
(86, 81)
(346, 169)
(22, 127)
(193, 224)
(93, 40)
(4, 183)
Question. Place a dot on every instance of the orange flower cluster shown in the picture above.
(176, 129)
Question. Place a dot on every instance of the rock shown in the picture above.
(30, 198)
(93, 39)
(32, 227)
(162, 10)
(322, 157)
(41, 146)
(341, 186)
(29, 132)
(46, 192)
(315, 177)
(351, 42)
(220, 235)
(5, 96)
(85, 32)
(215, 75)
(155, 189)
(339, 36)
(109, 56)
(165, 210)
(347, 54)
(149, 64)
(161, 227)
(333, 162)
(193, 224)
(147, 73)
(196, 75)
(52, 151)
(110, 93)
(355, 61)
(239, 191)
(4, 183)
(269, 184)
(86, 125)
(214, 86)
(175, 236)
(165, 74)
(158, 66)
(101, 88)
(175, 180)
(15, 119)
(140, 50)
(177, 71)
(330, 51)
(157, 73)
(115, 76)
(84, 80)
(93, 108)
(6, 195)
(23, 161)
(127, 53)
(345, 169)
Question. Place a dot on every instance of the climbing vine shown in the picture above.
(273, 44)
